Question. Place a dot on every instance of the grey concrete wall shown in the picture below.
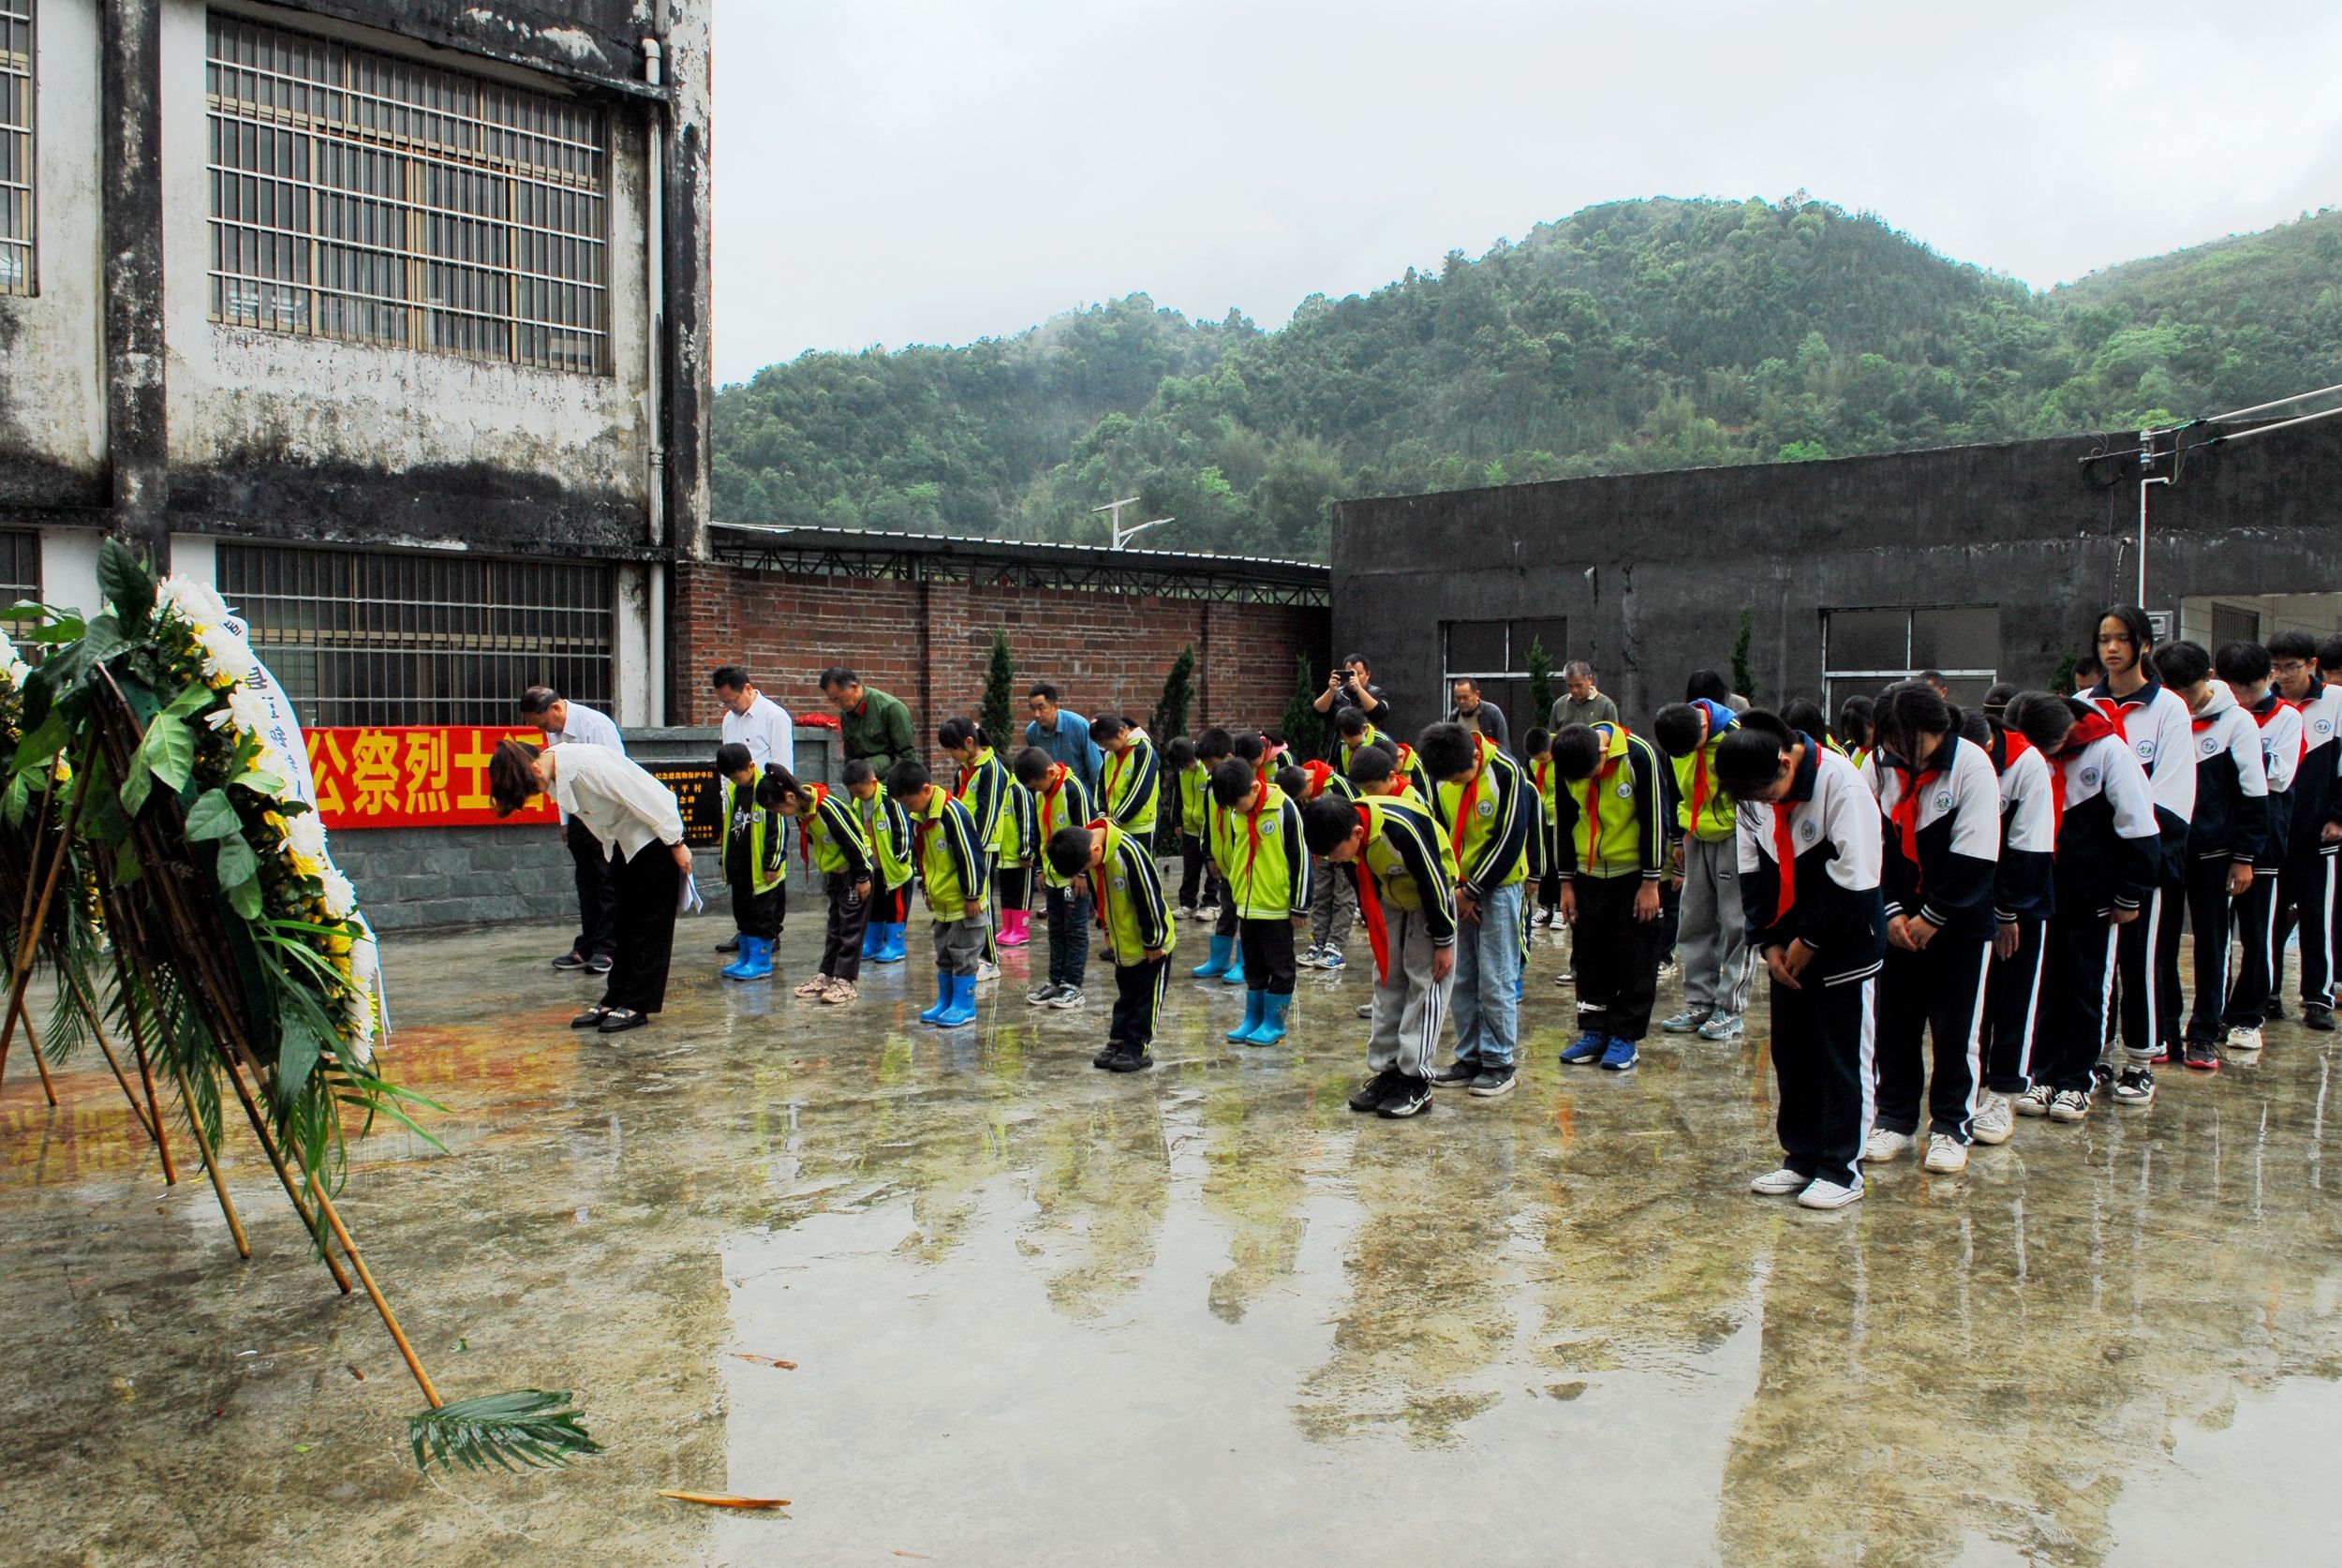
(1653, 570)
(410, 878)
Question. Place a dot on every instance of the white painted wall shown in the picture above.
(237, 392)
(69, 570)
(629, 632)
(53, 403)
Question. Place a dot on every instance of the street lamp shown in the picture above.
(1120, 535)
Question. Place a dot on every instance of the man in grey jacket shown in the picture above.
(1583, 702)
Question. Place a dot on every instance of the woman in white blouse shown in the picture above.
(634, 819)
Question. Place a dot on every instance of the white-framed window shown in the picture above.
(359, 196)
(17, 210)
(1864, 651)
(1495, 654)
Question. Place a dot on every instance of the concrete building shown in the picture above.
(1988, 563)
(389, 318)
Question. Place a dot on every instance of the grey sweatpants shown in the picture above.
(1714, 939)
(1333, 905)
(958, 944)
(1410, 1008)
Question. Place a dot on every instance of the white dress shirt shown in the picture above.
(765, 730)
(621, 805)
(584, 726)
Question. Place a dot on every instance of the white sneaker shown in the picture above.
(1778, 1183)
(2035, 1102)
(986, 971)
(1994, 1120)
(1946, 1154)
(2245, 1040)
(2068, 1105)
(1829, 1195)
(1040, 995)
(1068, 997)
(1886, 1144)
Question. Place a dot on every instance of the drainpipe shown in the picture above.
(655, 369)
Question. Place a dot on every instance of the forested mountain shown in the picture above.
(1635, 336)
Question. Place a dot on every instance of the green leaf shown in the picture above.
(124, 580)
(193, 700)
(169, 751)
(46, 740)
(127, 866)
(18, 799)
(65, 629)
(260, 781)
(297, 1050)
(529, 1425)
(212, 817)
(23, 610)
(134, 788)
(237, 865)
(244, 899)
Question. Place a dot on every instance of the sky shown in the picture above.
(940, 170)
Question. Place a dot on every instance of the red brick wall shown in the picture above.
(931, 644)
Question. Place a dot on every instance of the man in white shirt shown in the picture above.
(754, 720)
(568, 723)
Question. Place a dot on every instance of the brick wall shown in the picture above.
(931, 644)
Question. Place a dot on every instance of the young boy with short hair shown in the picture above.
(1212, 748)
(1545, 872)
(985, 789)
(886, 827)
(1059, 801)
(1358, 734)
(1712, 935)
(2224, 838)
(1406, 881)
(1484, 802)
(1226, 958)
(756, 864)
(1190, 782)
(1119, 868)
(2306, 889)
(1256, 842)
(953, 870)
(1335, 903)
(831, 841)
(1611, 843)
(2246, 667)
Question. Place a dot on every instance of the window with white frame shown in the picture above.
(16, 147)
(1495, 654)
(1866, 651)
(359, 196)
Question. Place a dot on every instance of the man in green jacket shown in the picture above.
(872, 725)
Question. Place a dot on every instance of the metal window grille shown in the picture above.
(19, 566)
(364, 638)
(1866, 651)
(16, 147)
(361, 196)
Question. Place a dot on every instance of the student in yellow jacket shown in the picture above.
(1129, 787)
(1059, 801)
(756, 864)
(1256, 843)
(1120, 869)
(953, 870)
(1611, 837)
(1486, 804)
(887, 828)
(1356, 734)
(1190, 781)
(831, 839)
(1001, 814)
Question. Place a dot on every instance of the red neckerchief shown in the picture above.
(1602, 773)
(1114, 773)
(967, 777)
(1319, 774)
(1251, 826)
(2090, 727)
(1471, 791)
(2276, 705)
(1700, 791)
(1371, 902)
(1544, 765)
(805, 835)
(1098, 881)
(1785, 843)
(1907, 812)
(1051, 793)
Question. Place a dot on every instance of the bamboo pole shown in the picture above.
(153, 1126)
(41, 919)
(277, 1158)
(211, 1162)
(16, 1000)
(21, 962)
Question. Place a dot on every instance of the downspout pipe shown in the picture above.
(655, 371)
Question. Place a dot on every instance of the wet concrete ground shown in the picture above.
(1046, 1315)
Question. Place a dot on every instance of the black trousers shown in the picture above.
(1617, 956)
(1549, 890)
(1225, 922)
(1822, 1041)
(2012, 1000)
(2208, 921)
(1137, 1002)
(647, 884)
(1069, 933)
(841, 936)
(1191, 863)
(2306, 900)
(596, 895)
(1014, 886)
(758, 914)
(892, 907)
(2255, 917)
(2078, 977)
(1938, 993)
(1267, 955)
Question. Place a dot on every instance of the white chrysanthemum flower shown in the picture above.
(304, 836)
(193, 601)
(360, 1021)
(365, 961)
(246, 712)
(225, 654)
(340, 897)
(18, 672)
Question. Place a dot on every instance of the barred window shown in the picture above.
(361, 196)
(20, 567)
(1866, 651)
(16, 146)
(361, 638)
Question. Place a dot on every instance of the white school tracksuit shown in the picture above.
(2155, 723)
(2282, 744)
(2229, 827)
(2023, 895)
(2110, 856)
(1942, 846)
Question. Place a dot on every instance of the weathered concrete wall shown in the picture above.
(331, 441)
(1652, 569)
(595, 39)
(931, 644)
(52, 397)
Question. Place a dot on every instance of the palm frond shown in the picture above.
(528, 1424)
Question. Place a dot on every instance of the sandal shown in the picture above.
(620, 1019)
(591, 1017)
(813, 987)
(840, 991)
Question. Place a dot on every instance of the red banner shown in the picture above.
(413, 775)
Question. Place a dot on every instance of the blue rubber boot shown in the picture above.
(891, 951)
(1218, 962)
(963, 1004)
(1235, 969)
(1272, 1018)
(756, 955)
(943, 998)
(873, 938)
(738, 968)
(1242, 1033)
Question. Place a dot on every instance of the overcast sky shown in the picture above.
(896, 172)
